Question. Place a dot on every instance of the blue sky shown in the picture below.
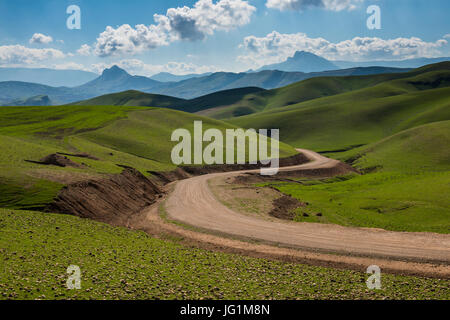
(246, 34)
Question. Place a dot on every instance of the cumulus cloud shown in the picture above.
(136, 66)
(40, 38)
(299, 5)
(276, 47)
(85, 50)
(183, 23)
(17, 55)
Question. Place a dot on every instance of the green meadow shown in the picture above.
(405, 186)
(116, 263)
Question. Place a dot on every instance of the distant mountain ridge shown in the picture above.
(116, 79)
(49, 77)
(408, 63)
(169, 77)
(302, 61)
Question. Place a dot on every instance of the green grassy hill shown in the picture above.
(132, 98)
(248, 100)
(315, 88)
(237, 97)
(396, 132)
(361, 116)
(423, 148)
(131, 136)
(405, 186)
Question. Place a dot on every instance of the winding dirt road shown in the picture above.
(192, 202)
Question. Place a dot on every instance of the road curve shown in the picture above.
(192, 202)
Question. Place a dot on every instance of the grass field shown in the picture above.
(116, 263)
(138, 137)
(390, 201)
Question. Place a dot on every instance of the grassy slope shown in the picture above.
(404, 129)
(131, 98)
(408, 192)
(309, 90)
(358, 117)
(243, 97)
(117, 263)
(132, 136)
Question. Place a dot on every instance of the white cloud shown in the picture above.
(17, 55)
(69, 66)
(40, 38)
(183, 23)
(135, 66)
(85, 50)
(335, 5)
(447, 36)
(276, 47)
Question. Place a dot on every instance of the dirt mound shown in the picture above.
(338, 169)
(79, 155)
(112, 200)
(166, 177)
(284, 207)
(284, 162)
(57, 160)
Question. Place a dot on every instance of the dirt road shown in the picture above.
(192, 202)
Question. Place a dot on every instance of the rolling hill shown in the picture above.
(113, 137)
(132, 98)
(137, 98)
(373, 110)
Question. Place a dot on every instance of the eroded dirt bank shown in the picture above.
(116, 199)
(112, 200)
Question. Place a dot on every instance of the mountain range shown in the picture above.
(169, 77)
(116, 79)
(308, 62)
(240, 102)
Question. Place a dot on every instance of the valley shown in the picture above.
(373, 191)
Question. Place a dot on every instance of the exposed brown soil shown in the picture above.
(57, 160)
(79, 155)
(244, 198)
(116, 198)
(284, 207)
(63, 176)
(150, 221)
(166, 177)
(297, 159)
(112, 200)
